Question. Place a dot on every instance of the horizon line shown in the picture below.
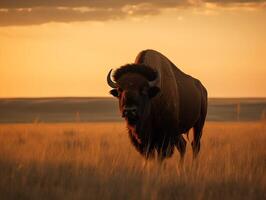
(106, 97)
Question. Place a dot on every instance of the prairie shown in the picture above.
(95, 109)
(97, 161)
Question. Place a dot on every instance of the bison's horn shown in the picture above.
(109, 80)
(154, 82)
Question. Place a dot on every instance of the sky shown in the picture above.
(58, 48)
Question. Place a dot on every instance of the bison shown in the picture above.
(159, 103)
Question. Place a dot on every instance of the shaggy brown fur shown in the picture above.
(144, 70)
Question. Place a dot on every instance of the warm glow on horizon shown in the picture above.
(224, 48)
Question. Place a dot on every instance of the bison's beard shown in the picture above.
(140, 128)
(132, 121)
(140, 134)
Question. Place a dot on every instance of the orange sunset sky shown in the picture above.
(66, 48)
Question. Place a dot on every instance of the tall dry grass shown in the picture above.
(97, 161)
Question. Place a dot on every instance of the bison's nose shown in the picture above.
(130, 111)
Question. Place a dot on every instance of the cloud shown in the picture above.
(85, 3)
(34, 16)
(240, 3)
(41, 15)
(33, 12)
(234, 1)
(9, 4)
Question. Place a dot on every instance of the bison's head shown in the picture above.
(134, 85)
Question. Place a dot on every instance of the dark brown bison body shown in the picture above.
(159, 103)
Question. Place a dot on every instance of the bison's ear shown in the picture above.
(153, 91)
(114, 92)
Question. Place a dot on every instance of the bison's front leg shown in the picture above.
(148, 153)
(165, 151)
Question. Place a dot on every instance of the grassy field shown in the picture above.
(96, 161)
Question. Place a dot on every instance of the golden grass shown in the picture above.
(97, 161)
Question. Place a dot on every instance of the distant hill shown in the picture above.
(27, 110)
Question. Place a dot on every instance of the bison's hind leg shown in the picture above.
(181, 147)
(198, 127)
(197, 136)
